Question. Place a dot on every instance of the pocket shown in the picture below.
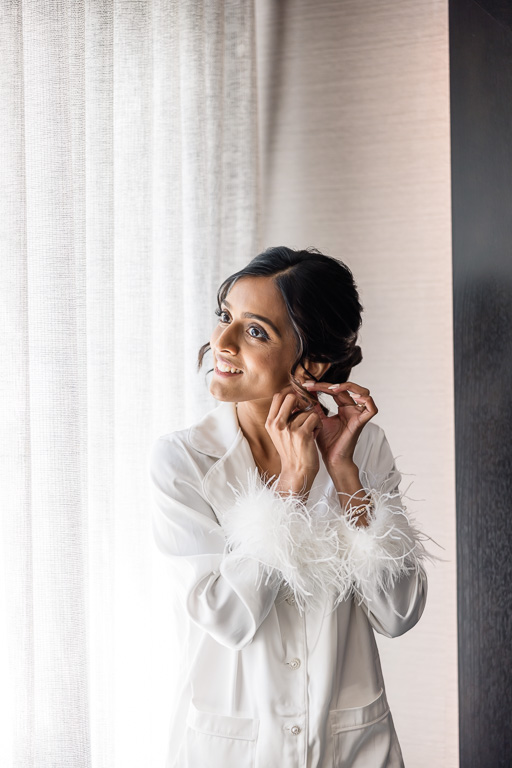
(219, 741)
(363, 736)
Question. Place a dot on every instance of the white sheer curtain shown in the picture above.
(129, 186)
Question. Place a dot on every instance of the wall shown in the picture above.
(481, 112)
(355, 160)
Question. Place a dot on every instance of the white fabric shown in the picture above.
(129, 187)
(260, 677)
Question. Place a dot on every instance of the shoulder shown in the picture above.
(170, 444)
(173, 456)
(205, 440)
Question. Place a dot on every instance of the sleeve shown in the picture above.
(385, 560)
(215, 586)
(319, 550)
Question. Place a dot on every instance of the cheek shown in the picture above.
(214, 335)
(277, 365)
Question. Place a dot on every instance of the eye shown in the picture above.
(261, 332)
(220, 313)
(261, 335)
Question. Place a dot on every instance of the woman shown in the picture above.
(284, 529)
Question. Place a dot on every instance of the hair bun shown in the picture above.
(355, 356)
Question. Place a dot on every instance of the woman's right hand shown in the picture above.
(293, 431)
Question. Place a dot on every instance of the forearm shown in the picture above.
(345, 477)
(351, 493)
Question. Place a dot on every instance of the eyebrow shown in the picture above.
(257, 317)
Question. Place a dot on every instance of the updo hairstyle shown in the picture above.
(323, 305)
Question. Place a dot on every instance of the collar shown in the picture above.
(218, 434)
(216, 431)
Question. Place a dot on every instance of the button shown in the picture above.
(291, 600)
(294, 663)
(295, 729)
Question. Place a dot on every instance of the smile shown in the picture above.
(223, 366)
(223, 370)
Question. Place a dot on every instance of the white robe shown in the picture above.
(279, 603)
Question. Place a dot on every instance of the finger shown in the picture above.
(277, 401)
(369, 408)
(319, 410)
(288, 404)
(305, 416)
(349, 386)
(315, 408)
(341, 393)
(343, 399)
(328, 388)
(308, 424)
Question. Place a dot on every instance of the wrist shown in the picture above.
(345, 470)
(299, 482)
(352, 496)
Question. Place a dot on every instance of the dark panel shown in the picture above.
(481, 117)
(501, 10)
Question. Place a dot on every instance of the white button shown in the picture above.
(294, 663)
(295, 729)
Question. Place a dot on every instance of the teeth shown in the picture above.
(227, 369)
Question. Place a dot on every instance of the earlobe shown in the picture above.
(316, 369)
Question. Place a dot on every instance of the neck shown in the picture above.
(252, 415)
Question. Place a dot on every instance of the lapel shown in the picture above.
(219, 436)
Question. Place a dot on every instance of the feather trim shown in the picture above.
(318, 550)
(286, 537)
(377, 555)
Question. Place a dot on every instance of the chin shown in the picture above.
(223, 397)
(227, 394)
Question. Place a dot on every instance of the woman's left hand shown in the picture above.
(338, 434)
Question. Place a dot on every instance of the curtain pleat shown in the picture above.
(129, 182)
(16, 555)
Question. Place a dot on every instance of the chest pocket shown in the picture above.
(219, 741)
(365, 736)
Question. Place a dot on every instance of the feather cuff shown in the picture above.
(278, 530)
(377, 555)
(318, 550)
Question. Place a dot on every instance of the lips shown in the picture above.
(226, 373)
(226, 367)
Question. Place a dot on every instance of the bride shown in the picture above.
(283, 525)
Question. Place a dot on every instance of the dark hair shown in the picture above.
(322, 302)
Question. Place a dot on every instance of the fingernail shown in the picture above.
(333, 386)
(309, 384)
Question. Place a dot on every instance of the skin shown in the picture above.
(282, 435)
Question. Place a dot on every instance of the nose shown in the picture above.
(226, 340)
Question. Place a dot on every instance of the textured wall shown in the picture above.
(355, 160)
